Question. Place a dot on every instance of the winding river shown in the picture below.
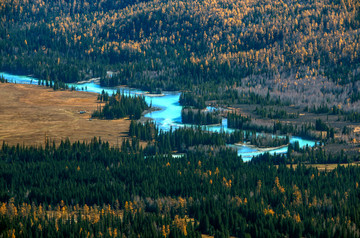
(169, 115)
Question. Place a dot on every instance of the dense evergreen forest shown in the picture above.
(91, 189)
(120, 105)
(304, 52)
(198, 117)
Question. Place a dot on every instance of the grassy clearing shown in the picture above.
(31, 113)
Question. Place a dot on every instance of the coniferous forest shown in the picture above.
(120, 105)
(267, 63)
(305, 50)
(91, 189)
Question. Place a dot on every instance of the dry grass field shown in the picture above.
(28, 113)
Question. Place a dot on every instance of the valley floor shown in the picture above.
(31, 113)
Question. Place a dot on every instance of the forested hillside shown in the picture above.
(287, 47)
(81, 190)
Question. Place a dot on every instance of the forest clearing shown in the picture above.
(30, 114)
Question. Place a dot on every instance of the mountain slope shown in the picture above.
(287, 45)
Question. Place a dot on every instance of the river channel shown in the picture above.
(169, 114)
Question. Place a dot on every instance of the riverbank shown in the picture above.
(261, 149)
(144, 119)
(92, 80)
(153, 94)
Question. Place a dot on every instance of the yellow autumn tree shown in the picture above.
(180, 224)
(297, 197)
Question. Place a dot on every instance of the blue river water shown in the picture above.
(170, 114)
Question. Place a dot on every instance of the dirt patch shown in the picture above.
(30, 113)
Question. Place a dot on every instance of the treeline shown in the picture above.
(306, 130)
(209, 192)
(213, 92)
(199, 117)
(179, 140)
(120, 105)
(350, 115)
(189, 99)
(237, 121)
(307, 156)
(121, 78)
(3, 80)
(272, 113)
(334, 110)
(55, 85)
(185, 138)
(266, 141)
